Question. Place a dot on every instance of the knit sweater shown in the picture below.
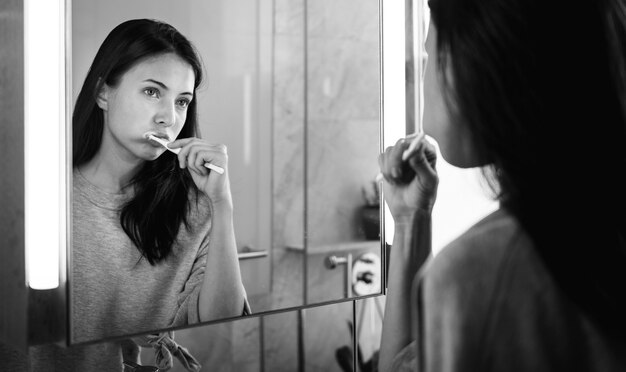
(487, 303)
(114, 291)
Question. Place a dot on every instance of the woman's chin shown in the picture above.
(151, 155)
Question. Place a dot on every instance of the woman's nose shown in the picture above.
(166, 114)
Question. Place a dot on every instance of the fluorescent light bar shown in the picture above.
(394, 81)
(44, 141)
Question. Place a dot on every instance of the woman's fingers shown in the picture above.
(390, 162)
(424, 157)
(192, 157)
(423, 162)
(195, 153)
(181, 143)
(214, 154)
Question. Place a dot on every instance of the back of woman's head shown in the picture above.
(541, 89)
(126, 45)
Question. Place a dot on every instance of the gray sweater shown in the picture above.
(488, 303)
(114, 292)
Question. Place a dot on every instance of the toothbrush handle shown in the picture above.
(219, 170)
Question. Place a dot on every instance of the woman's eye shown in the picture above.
(152, 92)
(183, 103)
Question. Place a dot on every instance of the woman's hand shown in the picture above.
(409, 185)
(193, 154)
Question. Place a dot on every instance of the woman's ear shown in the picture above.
(102, 94)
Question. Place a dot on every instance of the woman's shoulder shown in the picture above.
(472, 267)
(460, 285)
(482, 248)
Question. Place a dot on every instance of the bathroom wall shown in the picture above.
(327, 337)
(12, 274)
(222, 347)
(326, 121)
(343, 136)
(288, 123)
(335, 91)
(318, 339)
(343, 116)
(288, 92)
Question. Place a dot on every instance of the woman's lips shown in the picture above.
(162, 136)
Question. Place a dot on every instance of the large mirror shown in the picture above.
(293, 89)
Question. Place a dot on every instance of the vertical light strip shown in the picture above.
(393, 83)
(44, 141)
(418, 50)
(421, 17)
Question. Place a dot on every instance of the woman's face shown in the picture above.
(451, 136)
(151, 98)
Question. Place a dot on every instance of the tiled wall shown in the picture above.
(343, 116)
(326, 118)
(317, 339)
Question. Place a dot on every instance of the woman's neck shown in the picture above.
(108, 174)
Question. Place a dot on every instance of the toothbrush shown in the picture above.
(163, 143)
(417, 138)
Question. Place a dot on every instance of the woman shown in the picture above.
(533, 92)
(163, 248)
(153, 238)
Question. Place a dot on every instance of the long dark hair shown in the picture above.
(539, 84)
(162, 190)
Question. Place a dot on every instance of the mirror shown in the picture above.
(293, 89)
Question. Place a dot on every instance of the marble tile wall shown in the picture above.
(326, 121)
(327, 337)
(324, 336)
(337, 113)
(288, 154)
(222, 347)
(317, 339)
(343, 116)
(288, 124)
(282, 342)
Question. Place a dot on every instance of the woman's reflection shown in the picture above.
(153, 238)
